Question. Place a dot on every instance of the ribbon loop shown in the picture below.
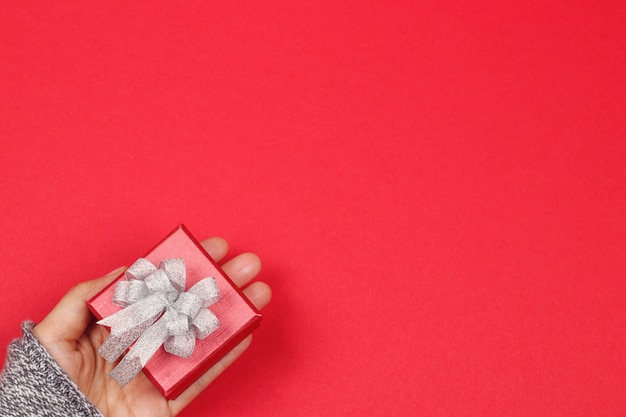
(158, 281)
(140, 269)
(207, 290)
(204, 323)
(176, 272)
(180, 345)
(157, 311)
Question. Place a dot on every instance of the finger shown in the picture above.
(260, 294)
(242, 268)
(69, 318)
(216, 247)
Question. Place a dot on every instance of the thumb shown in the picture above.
(69, 318)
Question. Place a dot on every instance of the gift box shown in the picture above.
(237, 316)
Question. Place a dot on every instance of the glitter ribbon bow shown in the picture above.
(157, 311)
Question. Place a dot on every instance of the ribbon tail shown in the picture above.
(145, 347)
(116, 344)
(126, 370)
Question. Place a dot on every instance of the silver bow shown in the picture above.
(157, 311)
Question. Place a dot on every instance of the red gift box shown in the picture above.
(238, 317)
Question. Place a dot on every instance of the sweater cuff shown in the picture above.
(33, 383)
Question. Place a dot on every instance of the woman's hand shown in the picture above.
(71, 336)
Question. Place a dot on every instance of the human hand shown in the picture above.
(72, 337)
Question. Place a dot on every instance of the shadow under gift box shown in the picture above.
(238, 317)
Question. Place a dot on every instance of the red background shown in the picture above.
(437, 190)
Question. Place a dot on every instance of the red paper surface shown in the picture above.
(436, 189)
(238, 318)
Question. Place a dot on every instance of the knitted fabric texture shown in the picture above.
(33, 384)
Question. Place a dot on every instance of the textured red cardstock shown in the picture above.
(238, 317)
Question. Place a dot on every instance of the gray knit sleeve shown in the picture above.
(33, 384)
